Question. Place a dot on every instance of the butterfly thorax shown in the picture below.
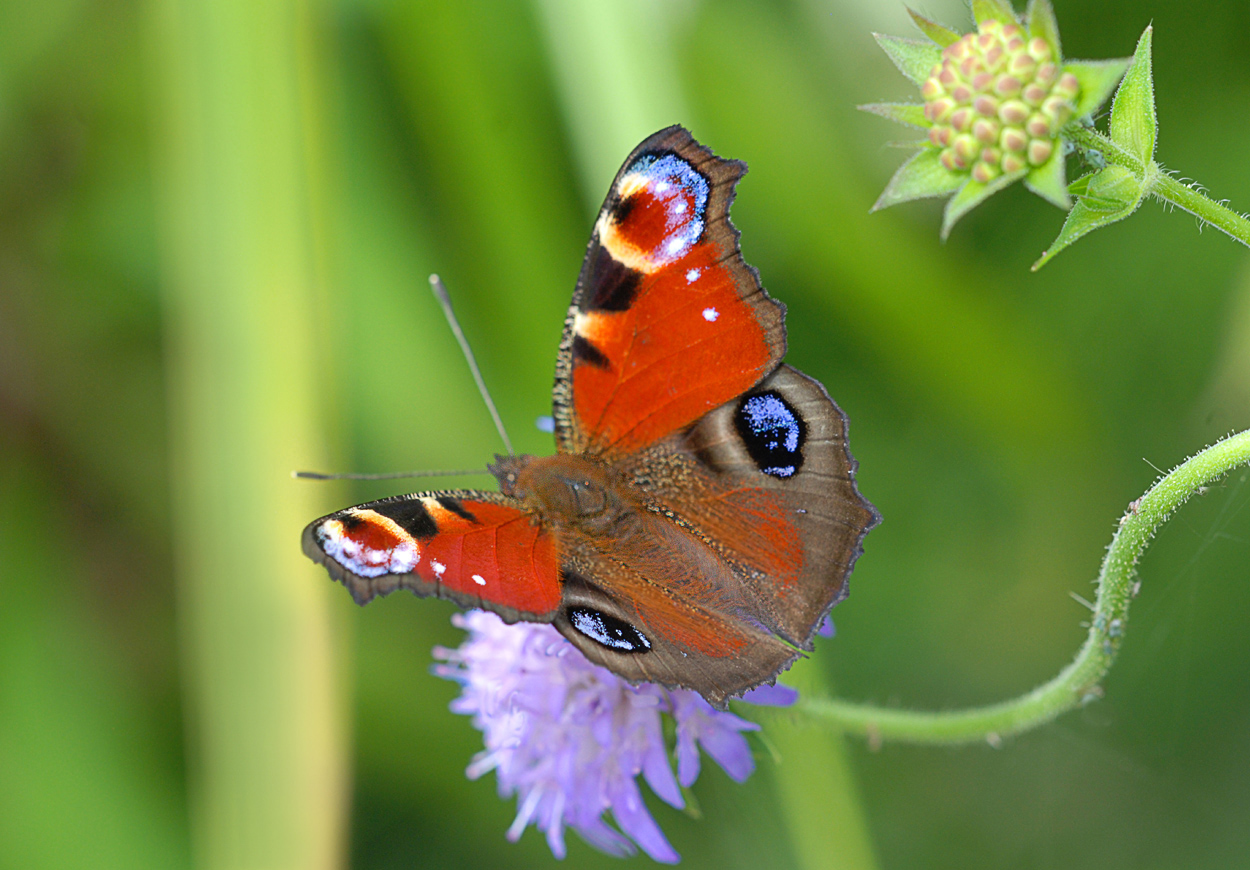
(566, 491)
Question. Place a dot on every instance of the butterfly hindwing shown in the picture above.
(640, 629)
(667, 321)
(767, 479)
(479, 549)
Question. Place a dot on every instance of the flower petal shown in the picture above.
(776, 695)
(636, 822)
(730, 750)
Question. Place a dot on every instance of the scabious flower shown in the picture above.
(570, 738)
(995, 105)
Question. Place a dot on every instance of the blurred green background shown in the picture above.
(216, 222)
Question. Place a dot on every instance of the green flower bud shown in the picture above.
(997, 100)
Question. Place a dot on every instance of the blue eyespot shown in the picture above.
(772, 432)
(685, 192)
(608, 630)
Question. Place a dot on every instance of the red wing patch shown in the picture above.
(668, 321)
(474, 549)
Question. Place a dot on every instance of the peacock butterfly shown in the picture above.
(700, 517)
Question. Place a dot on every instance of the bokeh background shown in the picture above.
(216, 222)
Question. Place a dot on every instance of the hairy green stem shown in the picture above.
(1159, 184)
(1079, 681)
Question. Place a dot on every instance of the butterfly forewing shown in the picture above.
(479, 549)
(667, 321)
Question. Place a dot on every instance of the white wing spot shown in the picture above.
(438, 567)
(710, 314)
(675, 244)
(692, 276)
(680, 208)
(479, 579)
(661, 187)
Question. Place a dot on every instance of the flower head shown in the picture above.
(570, 738)
(995, 104)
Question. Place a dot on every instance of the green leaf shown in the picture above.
(1041, 17)
(903, 113)
(999, 10)
(973, 194)
(914, 59)
(943, 36)
(1113, 194)
(920, 177)
(1049, 181)
(1098, 79)
(1133, 124)
(1081, 185)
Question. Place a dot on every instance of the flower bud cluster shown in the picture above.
(997, 101)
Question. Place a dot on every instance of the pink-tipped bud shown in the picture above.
(1057, 109)
(961, 119)
(1010, 31)
(939, 110)
(984, 172)
(1039, 49)
(985, 130)
(1068, 86)
(966, 148)
(1039, 151)
(1013, 139)
(985, 105)
(932, 89)
(1037, 126)
(981, 81)
(1012, 163)
(991, 155)
(951, 160)
(961, 92)
(1033, 94)
(1014, 44)
(940, 136)
(1022, 65)
(1007, 86)
(994, 58)
(1013, 113)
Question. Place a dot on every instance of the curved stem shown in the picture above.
(1079, 681)
(1161, 185)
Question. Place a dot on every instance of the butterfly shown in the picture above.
(700, 517)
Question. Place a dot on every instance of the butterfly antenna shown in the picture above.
(436, 284)
(393, 475)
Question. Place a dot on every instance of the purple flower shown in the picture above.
(570, 738)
